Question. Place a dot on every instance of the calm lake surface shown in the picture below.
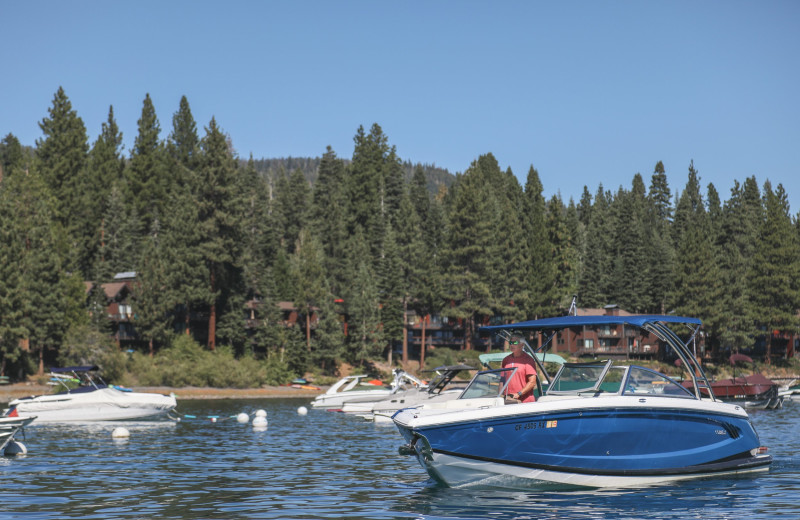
(328, 465)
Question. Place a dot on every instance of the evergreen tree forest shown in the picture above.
(359, 241)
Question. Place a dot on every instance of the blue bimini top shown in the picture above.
(565, 322)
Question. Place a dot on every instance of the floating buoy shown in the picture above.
(243, 418)
(14, 448)
(260, 423)
(120, 433)
(213, 419)
(261, 413)
(302, 410)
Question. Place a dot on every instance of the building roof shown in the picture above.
(113, 289)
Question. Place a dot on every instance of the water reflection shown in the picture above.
(327, 465)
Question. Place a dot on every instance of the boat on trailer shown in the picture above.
(596, 424)
(85, 397)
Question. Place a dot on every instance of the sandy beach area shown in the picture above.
(14, 391)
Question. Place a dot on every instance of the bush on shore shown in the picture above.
(183, 363)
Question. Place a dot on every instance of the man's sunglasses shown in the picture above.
(515, 342)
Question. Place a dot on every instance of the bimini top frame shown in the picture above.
(654, 323)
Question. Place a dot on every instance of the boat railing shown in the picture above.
(701, 384)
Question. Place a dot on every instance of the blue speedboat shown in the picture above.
(598, 424)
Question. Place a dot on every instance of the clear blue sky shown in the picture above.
(587, 92)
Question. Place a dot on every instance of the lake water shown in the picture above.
(328, 465)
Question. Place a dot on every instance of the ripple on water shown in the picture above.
(328, 465)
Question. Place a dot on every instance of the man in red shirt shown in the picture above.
(524, 379)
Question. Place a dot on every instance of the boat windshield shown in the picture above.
(644, 381)
(574, 378)
(489, 383)
(596, 378)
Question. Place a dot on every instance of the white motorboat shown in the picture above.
(440, 389)
(85, 397)
(10, 426)
(597, 424)
(358, 388)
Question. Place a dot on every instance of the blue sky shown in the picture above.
(588, 92)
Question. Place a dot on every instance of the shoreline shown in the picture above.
(15, 391)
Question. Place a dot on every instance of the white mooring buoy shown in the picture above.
(14, 448)
(259, 422)
(120, 433)
(261, 413)
(243, 418)
(302, 410)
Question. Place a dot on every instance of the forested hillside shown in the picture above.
(367, 236)
(437, 178)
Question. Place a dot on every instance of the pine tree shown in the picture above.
(12, 299)
(660, 252)
(470, 248)
(509, 275)
(11, 155)
(120, 234)
(183, 142)
(632, 239)
(260, 241)
(594, 283)
(563, 251)
(328, 217)
(696, 286)
(62, 158)
(374, 167)
(776, 272)
(44, 290)
(309, 274)
(153, 303)
(740, 222)
(364, 335)
(219, 219)
(419, 239)
(391, 289)
(62, 154)
(104, 172)
(329, 342)
(147, 174)
(293, 201)
(541, 269)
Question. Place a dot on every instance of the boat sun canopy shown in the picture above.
(563, 322)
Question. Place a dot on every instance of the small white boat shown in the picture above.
(438, 390)
(790, 391)
(357, 388)
(9, 426)
(85, 397)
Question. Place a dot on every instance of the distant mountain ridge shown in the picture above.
(435, 175)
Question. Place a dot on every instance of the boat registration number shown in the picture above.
(536, 425)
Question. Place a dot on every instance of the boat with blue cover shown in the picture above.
(596, 424)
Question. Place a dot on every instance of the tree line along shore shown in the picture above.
(216, 243)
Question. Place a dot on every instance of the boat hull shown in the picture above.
(104, 404)
(582, 444)
(338, 400)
